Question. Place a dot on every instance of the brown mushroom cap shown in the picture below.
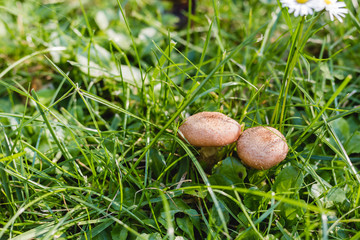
(210, 129)
(262, 147)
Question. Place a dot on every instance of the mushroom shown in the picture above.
(262, 147)
(210, 131)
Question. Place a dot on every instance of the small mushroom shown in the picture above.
(262, 147)
(210, 131)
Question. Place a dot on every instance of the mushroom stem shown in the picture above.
(209, 157)
(208, 152)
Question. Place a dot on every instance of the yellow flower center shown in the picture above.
(303, 1)
(328, 2)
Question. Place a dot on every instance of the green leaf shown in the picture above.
(290, 179)
(119, 232)
(100, 231)
(104, 235)
(342, 128)
(115, 123)
(157, 162)
(325, 71)
(353, 145)
(45, 95)
(231, 171)
(194, 217)
(215, 216)
(128, 198)
(270, 237)
(152, 236)
(291, 212)
(336, 195)
(197, 193)
(5, 105)
(179, 206)
(186, 225)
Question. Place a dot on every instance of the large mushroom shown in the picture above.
(210, 131)
(262, 147)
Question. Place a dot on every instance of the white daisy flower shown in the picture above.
(336, 9)
(301, 7)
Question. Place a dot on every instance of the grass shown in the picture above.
(93, 92)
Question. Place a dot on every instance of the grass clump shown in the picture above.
(93, 92)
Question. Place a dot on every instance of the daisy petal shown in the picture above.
(336, 9)
(302, 8)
